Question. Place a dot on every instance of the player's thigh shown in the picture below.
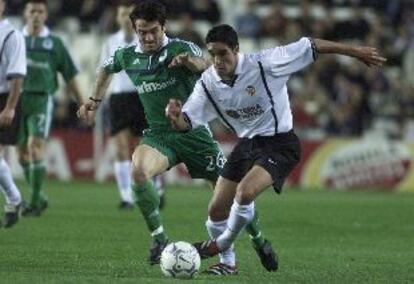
(223, 196)
(148, 162)
(200, 153)
(121, 141)
(253, 183)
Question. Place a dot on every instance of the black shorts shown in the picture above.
(126, 112)
(9, 134)
(278, 155)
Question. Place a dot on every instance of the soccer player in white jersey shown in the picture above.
(126, 113)
(248, 92)
(12, 72)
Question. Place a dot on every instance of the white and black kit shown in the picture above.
(255, 105)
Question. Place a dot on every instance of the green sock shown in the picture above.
(37, 175)
(148, 202)
(254, 231)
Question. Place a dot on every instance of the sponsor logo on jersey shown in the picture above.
(149, 87)
(36, 64)
(136, 61)
(251, 91)
(249, 112)
(47, 44)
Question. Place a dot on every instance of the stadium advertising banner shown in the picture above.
(335, 164)
(377, 164)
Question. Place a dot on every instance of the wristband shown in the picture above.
(95, 100)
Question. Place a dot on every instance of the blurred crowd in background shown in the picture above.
(334, 97)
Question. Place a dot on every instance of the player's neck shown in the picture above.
(35, 30)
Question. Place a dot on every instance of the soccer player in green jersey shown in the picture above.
(162, 68)
(46, 57)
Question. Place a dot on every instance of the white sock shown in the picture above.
(158, 184)
(215, 229)
(122, 170)
(240, 216)
(7, 185)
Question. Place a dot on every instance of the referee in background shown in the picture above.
(12, 73)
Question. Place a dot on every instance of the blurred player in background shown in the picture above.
(162, 68)
(46, 57)
(249, 93)
(126, 113)
(12, 72)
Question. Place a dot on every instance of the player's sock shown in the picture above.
(148, 202)
(215, 229)
(240, 216)
(37, 176)
(7, 185)
(254, 231)
(158, 184)
(122, 170)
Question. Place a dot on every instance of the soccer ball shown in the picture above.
(180, 260)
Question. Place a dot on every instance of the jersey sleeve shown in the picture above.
(192, 48)
(288, 59)
(198, 109)
(112, 64)
(66, 65)
(15, 51)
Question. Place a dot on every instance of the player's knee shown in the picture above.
(138, 175)
(245, 194)
(36, 149)
(217, 212)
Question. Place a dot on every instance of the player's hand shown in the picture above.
(173, 110)
(370, 56)
(180, 60)
(6, 117)
(87, 112)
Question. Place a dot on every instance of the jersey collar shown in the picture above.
(44, 33)
(238, 71)
(165, 41)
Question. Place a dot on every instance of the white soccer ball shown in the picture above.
(180, 260)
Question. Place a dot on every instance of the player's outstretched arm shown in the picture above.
(174, 114)
(368, 55)
(87, 111)
(193, 63)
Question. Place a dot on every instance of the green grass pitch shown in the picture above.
(321, 237)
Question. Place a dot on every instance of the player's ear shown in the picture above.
(236, 49)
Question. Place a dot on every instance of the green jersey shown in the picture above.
(155, 83)
(46, 57)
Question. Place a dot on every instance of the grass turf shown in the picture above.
(321, 237)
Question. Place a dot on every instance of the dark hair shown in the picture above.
(149, 10)
(127, 3)
(37, 2)
(223, 33)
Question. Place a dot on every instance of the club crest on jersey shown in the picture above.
(47, 44)
(251, 91)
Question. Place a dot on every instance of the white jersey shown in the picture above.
(120, 82)
(12, 55)
(257, 102)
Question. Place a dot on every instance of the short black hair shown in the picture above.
(127, 3)
(149, 10)
(37, 2)
(225, 34)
